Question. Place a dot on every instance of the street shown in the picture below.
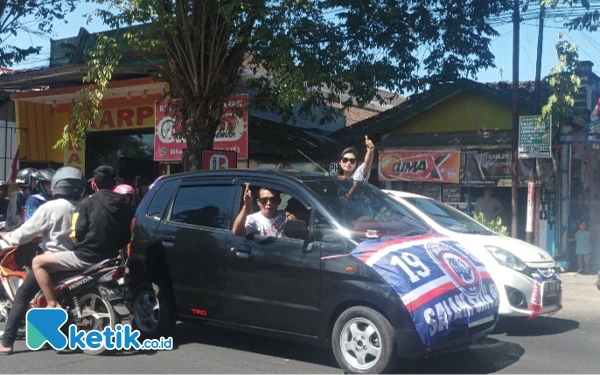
(567, 342)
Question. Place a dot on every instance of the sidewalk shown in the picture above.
(577, 279)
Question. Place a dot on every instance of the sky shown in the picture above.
(501, 46)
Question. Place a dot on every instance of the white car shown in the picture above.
(526, 275)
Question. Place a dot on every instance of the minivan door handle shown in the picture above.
(241, 251)
(168, 239)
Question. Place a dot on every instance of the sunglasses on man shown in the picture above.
(270, 199)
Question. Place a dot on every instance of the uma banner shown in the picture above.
(421, 166)
(441, 284)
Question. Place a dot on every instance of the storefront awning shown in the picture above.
(116, 89)
(63, 76)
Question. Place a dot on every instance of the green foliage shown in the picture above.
(27, 16)
(564, 83)
(312, 51)
(103, 60)
(495, 226)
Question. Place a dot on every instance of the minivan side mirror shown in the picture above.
(296, 229)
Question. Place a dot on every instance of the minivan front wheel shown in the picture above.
(363, 341)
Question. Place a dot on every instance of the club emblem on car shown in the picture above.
(456, 265)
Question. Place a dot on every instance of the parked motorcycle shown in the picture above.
(94, 298)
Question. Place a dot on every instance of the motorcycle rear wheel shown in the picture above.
(103, 309)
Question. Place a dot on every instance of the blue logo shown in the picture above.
(45, 326)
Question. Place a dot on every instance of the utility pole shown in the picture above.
(515, 120)
(531, 183)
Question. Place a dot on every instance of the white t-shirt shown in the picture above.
(359, 174)
(257, 223)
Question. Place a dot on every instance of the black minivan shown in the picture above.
(362, 276)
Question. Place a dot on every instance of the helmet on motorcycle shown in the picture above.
(24, 177)
(68, 183)
(43, 180)
(124, 189)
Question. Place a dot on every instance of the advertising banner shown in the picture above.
(493, 168)
(213, 160)
(168, 146)
(231, 135)
(535, 140)
(421, 166)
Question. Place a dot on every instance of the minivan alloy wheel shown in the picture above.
(360, 343)
(146, 310)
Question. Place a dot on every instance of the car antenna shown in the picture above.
(321, 168)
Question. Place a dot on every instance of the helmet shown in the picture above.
(25, 176)
(124, 189)
(69, 183)
(4, 185)
(44, 175)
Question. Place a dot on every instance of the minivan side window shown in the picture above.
(161, 200)
(203, 205)
(324, 231)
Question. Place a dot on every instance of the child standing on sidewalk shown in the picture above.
(583, 247)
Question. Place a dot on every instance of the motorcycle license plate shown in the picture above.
(120, 292)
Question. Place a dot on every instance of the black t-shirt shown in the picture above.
(3, 208)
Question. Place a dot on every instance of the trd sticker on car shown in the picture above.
(441, 284)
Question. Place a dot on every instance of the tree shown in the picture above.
(305, 47)
(28, 16)
(564, 83)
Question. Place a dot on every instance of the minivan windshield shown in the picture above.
(369, 213)
(448, 217)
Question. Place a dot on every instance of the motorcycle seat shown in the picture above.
(62, 276)
(104, 263)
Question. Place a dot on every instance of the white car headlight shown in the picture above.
(506, 258)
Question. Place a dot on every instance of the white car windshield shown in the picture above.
(448, 217)
(370, 213)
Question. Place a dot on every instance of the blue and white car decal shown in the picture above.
(441, 284)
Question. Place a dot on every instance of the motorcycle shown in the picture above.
(94, 298)
(15, 264)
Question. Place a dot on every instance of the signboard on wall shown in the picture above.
(218, 159)
(493, 168)
(124, 118)
(421, 166)
(535, 140)
(74, 156)
(231, 135)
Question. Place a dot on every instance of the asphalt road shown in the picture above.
(568, 342)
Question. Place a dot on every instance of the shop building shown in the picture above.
(452, 142)
(131, 132)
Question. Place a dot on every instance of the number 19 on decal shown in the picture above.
(410, 263)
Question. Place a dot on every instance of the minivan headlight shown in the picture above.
(506, 258)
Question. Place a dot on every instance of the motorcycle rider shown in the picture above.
(26, 187)
(100, 229)
(43, 181)
(3, 199)
(126, 190)
(53, 222)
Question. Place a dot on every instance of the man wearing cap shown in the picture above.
(100, 228)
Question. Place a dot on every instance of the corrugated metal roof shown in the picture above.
(282, 141)
(451, 140)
